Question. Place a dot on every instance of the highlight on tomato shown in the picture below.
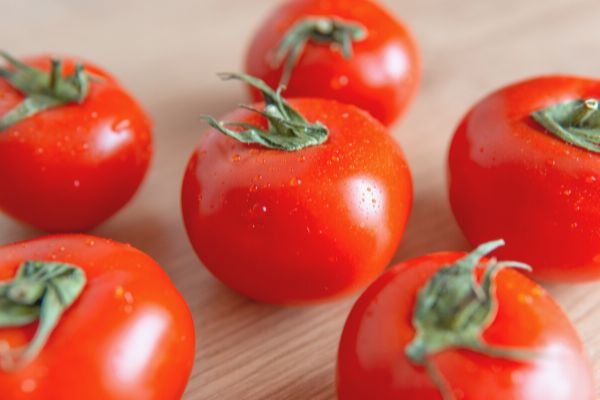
(296, 201)
(459, 326)
(74, 145)
(354, 52)
(87, 318)
(524, 165)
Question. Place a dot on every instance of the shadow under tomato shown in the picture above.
(262, 350)
(12, 231)
(431, 228)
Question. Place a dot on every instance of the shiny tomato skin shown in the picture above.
(381, 77)
(72, 167)
(372, 363)
(304, 226)
(129, 335)
(509, 178)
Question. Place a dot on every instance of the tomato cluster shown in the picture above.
(300, 198)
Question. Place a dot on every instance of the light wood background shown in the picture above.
(167, 54)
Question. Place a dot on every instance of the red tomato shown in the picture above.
(373, 361)
(71, 167)
(381, 75)
(510, 177)
(298, 226)
(129, 334)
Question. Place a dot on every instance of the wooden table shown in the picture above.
(167, 53)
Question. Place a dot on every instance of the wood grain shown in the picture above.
(167, 53)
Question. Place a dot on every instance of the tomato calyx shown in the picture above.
(287, 129)
(319, 29)
(576, 122)
(453, 310)
(42, 90)
(41, 291)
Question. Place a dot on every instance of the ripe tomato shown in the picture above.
(354, 52)
(517, 342)
(127, 335)
(298, 226)
(511, 177)
(73, 165)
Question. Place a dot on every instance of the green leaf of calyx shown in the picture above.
(320, 29)
(576, 122)
(453, 310)
(287, 129)
(42, 90)
(41, 291)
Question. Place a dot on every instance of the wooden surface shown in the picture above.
(167, 53)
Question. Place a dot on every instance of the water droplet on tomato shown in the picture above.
(28, 385)
(295, 182)
(590, 179)
(567, 192)
(524, 298)
(236, 158)
(76, 183)
(122, 125)
(339, 82)
(128, 297)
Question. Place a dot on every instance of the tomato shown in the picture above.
(71, 166)
(518, 343)
(511, 177)
(304, 225)
(377, 70)
(128, 335)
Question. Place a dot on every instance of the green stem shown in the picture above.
(41, 291)
(42, 90)
(576, 122)
(438, 379)
(325, 30)
(453, 310)
(287, 130)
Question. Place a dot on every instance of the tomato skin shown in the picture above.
(511, 179)
(129, 335)
(372, 363)
(72, 167)
(304, 226)
(381, 77)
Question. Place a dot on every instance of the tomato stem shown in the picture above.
(287, 129)
(576, 122)
(41, 291)
(318, 29)
(42, 90)
(438, 379)
(453, 310)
